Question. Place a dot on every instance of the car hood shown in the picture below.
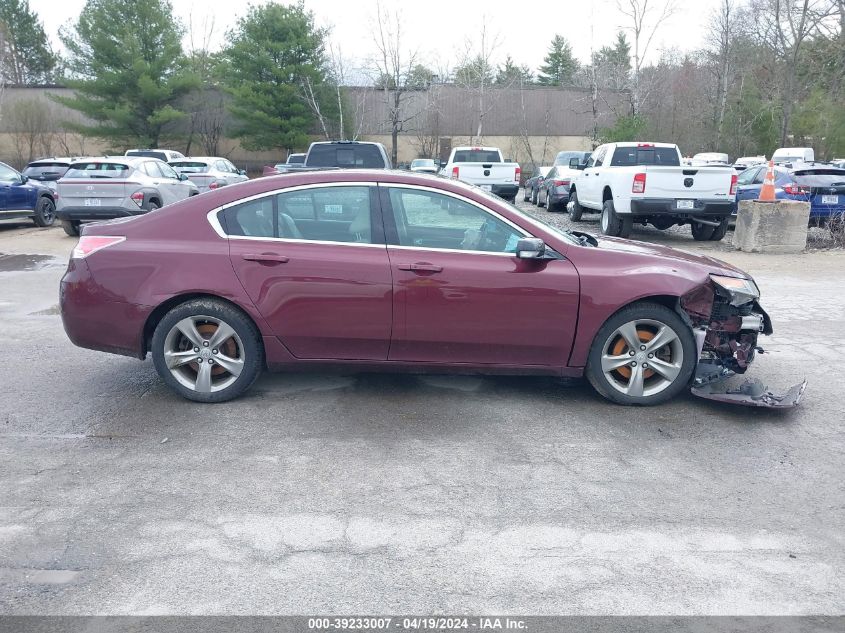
(668, 255)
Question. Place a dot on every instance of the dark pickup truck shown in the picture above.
(336, 155)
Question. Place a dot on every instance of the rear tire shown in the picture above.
(630, 383)
(45, 212)
(540, 202)
(720, 231)
(71, 227)
(612, 224)
(577, 209)
(195, 365)
(534, 197)
(152, 205)
(525, 197)
(702, 232)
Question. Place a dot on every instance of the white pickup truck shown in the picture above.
(646, 183)
(484, 167)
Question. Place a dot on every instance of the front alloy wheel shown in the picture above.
(207, 351)
(644, 354)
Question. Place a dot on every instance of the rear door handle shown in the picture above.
(265, 258)
(420, 267)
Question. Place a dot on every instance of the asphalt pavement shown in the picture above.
(379, 493)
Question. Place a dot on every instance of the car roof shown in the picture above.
(206, 159)
(129, 160)
(56, 159)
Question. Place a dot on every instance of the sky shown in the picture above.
(439, 29)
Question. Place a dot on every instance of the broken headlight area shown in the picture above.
(727, 319)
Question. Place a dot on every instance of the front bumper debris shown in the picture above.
(752, 393)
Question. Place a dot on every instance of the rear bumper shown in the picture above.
(505, 191)
(669, 207)
(79, 214)
(92, 319)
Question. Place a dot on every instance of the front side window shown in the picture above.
(747, 177)
(427, 219)
(168, 171)
(334, 214)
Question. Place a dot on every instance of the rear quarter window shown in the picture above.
(631, 156)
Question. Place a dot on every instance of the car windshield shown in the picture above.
(190, 166)
(563, 158)
(476, 156)
(820, 177)
(97, 170)
(329, 155)
(422, 162)
(45, 171)
(630, 156)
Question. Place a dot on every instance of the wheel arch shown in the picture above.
(606, 194)
(166, 306)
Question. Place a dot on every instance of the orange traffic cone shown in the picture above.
(767, 191)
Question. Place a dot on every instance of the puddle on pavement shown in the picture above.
(19, 263)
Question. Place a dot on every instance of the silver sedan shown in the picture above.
(209, 172)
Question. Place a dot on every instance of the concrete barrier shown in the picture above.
(771, 227)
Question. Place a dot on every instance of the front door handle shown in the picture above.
(265, 258)
(420, 267)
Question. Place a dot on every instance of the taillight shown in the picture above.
(561, 183)
(89, 244)
(517, 173)
(733, 185)
(138, 198)
(794, 190)
(214, 185)
(639, 184)
(455, 171)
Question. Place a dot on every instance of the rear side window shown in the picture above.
(629, 156)
(97, 170)
(189, 166)
(364, 156)
(335, 214)
(476, 156)
(296, 159)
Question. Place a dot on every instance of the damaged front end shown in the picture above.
(726, 318)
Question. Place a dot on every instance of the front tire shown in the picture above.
(577, 209)
(642, 355)
(71, 227)
(45, 212)
(540, 202)
(207, 350)
(612, 224)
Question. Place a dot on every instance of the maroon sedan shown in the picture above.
(397, 271)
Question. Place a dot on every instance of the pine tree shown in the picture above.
(560, 65)
(26, 56)
(510, 74)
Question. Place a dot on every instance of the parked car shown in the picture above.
(383, 270)
(165, 155)
(209, 172)
(710, 158)
(646, 183)
(554, 190)
(346, 155)
(424, 165)
(533, 184)
(822, 185)
(744, 162)
(563, 159)
(794, 155)
(485, 168)
(47, 171)
(295, 162)
(116, 187)
(21, 197)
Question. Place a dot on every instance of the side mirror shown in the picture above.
(574, 163)
(24, 179)
(242, 172)
(182, 176)
(530, 248)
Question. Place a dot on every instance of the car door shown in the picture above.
(7, 177)
(460, 295)
(588, 183)
(178, 189)
(323, 298)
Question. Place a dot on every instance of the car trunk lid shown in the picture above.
(681, 182)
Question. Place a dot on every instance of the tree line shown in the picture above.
(772, 73)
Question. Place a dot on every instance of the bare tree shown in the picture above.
(31, 124)
(206, 105)
(476, 73)
(645, 18)
(722, 31)
(313, 102)
(394, 65)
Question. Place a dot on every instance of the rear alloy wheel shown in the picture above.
(701, 232)
(71, 227)
(577, 210)
(207, 351)
(612, 224)
(644, 354)
(45, 212)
